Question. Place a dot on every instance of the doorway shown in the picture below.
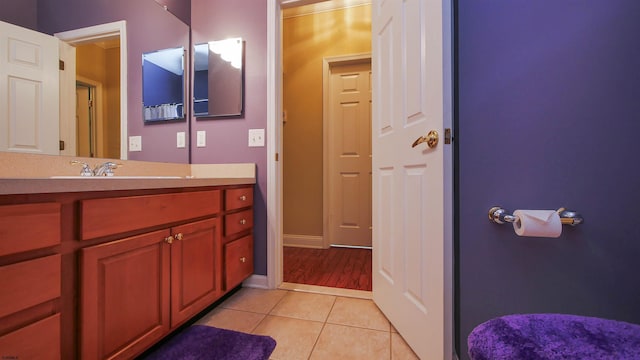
(106, 35)
(86, 120)
(326, 32)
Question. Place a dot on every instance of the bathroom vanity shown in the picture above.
(105, 268)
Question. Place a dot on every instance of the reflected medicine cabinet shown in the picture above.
(218, 81)
(163, 85)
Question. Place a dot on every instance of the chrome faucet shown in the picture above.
(86, 170)
(106, 169)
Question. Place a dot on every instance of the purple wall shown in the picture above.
(227, 139)
(149, 28)
(548, 116)
(22, 13)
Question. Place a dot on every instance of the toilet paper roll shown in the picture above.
(539, 223)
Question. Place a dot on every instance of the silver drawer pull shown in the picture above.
(243, 198)
(243, 221)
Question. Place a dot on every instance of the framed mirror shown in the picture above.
(163, 85)
(218, 81)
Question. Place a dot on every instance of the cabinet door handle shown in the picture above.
(243, 198)
(243, 221)
(243, 259)
(169, 239)
(179, 236)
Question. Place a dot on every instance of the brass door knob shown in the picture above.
(169, 239)
(243, 259)
(243, 221)
(431, 139)
(179, 236)
(243, 198)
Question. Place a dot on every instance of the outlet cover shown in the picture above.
(256, 137)
(201, 138)
(135, 143)
(180, 140)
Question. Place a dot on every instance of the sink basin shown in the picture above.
(114, 177)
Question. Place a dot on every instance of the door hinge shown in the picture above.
(61, 145)
(447, 136)
(61, 64)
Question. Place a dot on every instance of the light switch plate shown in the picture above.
(256, 137)
(201, 138)
(135, 143)
(180, 140)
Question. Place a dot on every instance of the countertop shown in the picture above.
(32, 174)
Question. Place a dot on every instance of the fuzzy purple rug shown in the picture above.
(554, 337)
(200, 342)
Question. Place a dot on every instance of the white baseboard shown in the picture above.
(308, 241)
(256, 281)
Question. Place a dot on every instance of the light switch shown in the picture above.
(201, 138)
(256, 137)
(180, 139)
(135, 143)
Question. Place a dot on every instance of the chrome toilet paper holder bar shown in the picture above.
(499, 215)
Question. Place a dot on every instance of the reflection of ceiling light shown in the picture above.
(230, 50)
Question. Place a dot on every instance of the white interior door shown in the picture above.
(412, 242)
(29, 89)
(350, 154)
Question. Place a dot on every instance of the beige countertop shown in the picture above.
(31, 174)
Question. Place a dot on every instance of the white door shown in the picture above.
(28, 91)
(412, 197)
(350, 155)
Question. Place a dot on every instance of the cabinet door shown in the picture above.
(196, 268)
(124, 296)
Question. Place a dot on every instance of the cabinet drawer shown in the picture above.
(29, 283)
(110, 216)
(238, 198)
(40, 340)
(29, 227)
(238, 264)
(235, 223)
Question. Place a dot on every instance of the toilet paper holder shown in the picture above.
(499, 215)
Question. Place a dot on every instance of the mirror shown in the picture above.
(163, 85)
(150, 26)
(218, 79)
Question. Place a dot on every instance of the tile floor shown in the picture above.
(309, 325)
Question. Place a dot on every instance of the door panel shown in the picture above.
(411, 185)
(29, 91)
(350, 155)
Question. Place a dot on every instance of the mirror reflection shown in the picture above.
(218, 80)
(163, 85)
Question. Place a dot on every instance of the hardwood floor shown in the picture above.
(345, 268)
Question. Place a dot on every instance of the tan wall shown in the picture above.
(112, 120)
(306, 41)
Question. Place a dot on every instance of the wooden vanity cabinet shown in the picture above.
(136, 289)
(107, 274)
(238, 239)
(30, 281)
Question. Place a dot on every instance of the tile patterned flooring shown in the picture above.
(309, 325)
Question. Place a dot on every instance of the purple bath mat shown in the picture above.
(200, 342)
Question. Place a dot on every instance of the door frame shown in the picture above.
(327, 64)
(104, 32)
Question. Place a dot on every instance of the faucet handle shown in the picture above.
(86, 170)
(106, 169)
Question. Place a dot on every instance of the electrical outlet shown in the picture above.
(135, 143)
(180, 140)
(201, 138)
(256, 137)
